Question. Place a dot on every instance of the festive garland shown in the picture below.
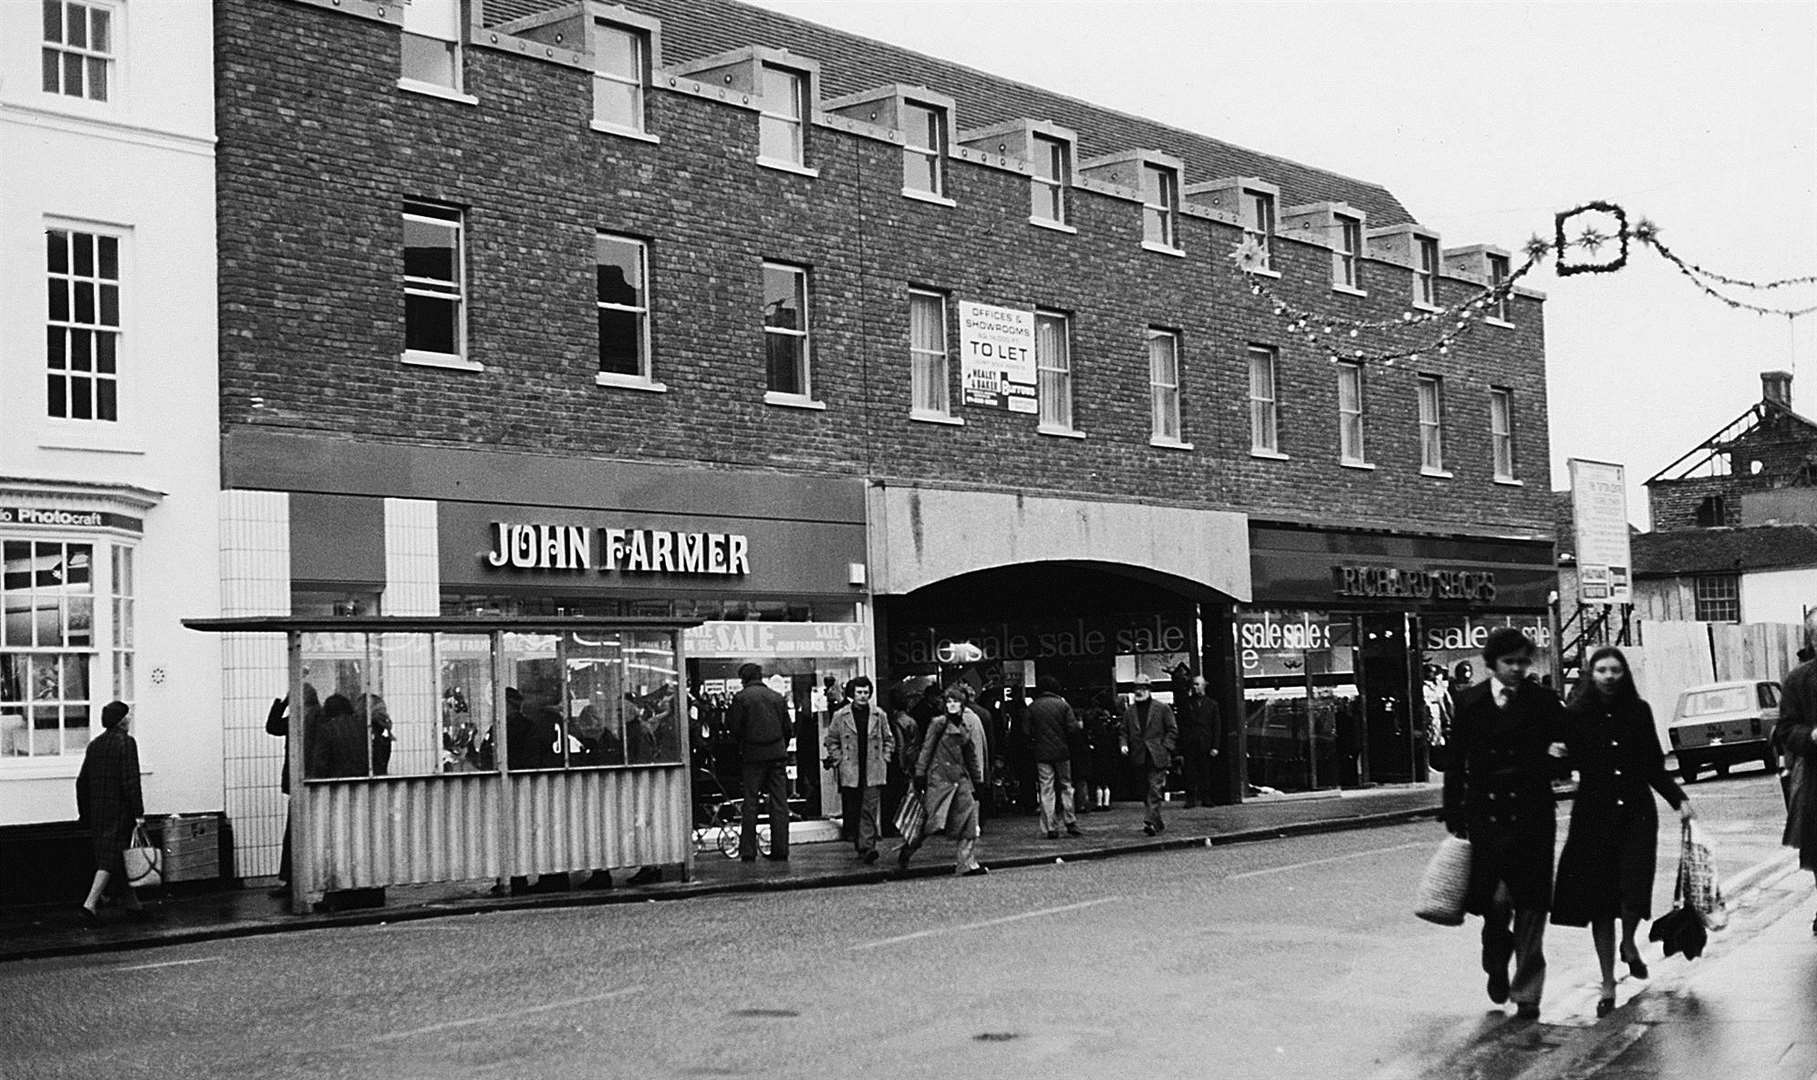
(1591, 239)
(1648, 233)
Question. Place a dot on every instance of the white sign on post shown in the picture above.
(997, 356)
(1599, 511)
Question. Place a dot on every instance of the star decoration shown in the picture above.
(1645, 231)
(1536, 248)
(1592, 240)
(1250, 255)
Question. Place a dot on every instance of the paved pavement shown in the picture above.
(1007, 842)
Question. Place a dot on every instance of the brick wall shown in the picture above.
(319, 148)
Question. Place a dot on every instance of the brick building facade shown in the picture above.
(538, 142)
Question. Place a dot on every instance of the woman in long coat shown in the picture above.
(949, 772)
(1795, 737)
(1606, 870)
(110, 802)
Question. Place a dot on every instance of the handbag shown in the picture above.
(144, 861)
(911, 816)
(1445, 883)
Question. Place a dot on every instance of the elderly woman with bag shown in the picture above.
(1606, 869)
(948, 773)
(109, 801)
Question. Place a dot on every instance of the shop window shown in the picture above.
(1050, 172)
(1346, 261)
(622, 297)
(1264, 408)
(1501, 430)
(622, 55)
(62, 655)
(1432, 425)
(1160, 207)
(1498, 275)
(434, 301)
(928, 364)
(782, 124)
(430, 51)
(1718, 598)
(1351, 447)
(1425, 273)
(1054, 371)
(79, 49)
(923, 149)
(785, 330)
(1164, 386)
(82, 334)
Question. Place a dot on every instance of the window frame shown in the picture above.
(1353, 418)
(1501, 434)
(1497, 268)
(1432, 425)
(1049, 153)
(102, 388)
(86, 53)
(414, 13)
(1716, 589)
(644, 378)
(1264, 402)
(935, 155)
(433, 213)
(1260, 221)
(803, 335)
(769, 119)
(642, 39)
(1347, 256)
(1165, 212)
(920, 407)
(1164, 397)
(1062, 373)
(1425, 272)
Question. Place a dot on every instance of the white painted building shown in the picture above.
(109, 419)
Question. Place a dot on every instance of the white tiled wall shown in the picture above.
(413, 580)
(412, 587)
(255, 580)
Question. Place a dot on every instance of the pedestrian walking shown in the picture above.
(948, 774)
(1201, 741)
(1794, 739)
(859, 745)
(1506, 738)
(1051, 726)
(907, 734)
(760, 723)
(1606, 870)
(1150, 734)
(110, 803)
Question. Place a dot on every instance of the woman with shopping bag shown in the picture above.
(1606, 870)
(110, 804)
(947, 776)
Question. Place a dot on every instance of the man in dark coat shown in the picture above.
(1201, 741)
(1506, 738)
(760, 722)
(1795, 737)
(1051, 725)
(1150, 734)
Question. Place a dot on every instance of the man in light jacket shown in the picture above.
(760, 723)
(1149, 736)
(1051, 723)
(860, 741)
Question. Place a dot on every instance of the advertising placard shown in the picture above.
(1599, 510)
(997, 356)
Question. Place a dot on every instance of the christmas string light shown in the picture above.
(1648, 233)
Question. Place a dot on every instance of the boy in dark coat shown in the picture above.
(1506, 738)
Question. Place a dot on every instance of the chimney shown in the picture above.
(1776, 386)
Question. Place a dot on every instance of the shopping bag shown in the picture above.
(911, 816)
(1697, 877)
(1445, 883)
(144, 860)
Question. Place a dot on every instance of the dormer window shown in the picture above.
(621, 68)
(430, 52)
(923, 148)
(1160, 206)
(1347, 257)
(781, 127)
(1051, 168)
(1258, 222)
(1425, 272)
(1498, 273)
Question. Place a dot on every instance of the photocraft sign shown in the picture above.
(997, 356)
(1599, 511)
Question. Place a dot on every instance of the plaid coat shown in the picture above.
(108, 798)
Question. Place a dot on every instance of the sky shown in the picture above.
(1485, 118)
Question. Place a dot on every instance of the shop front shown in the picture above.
(1353, 640)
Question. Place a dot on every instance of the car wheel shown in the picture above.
(1722, 770)
(1687, 771)
(1771, 761)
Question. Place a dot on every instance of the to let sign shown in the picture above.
(997, 356)
(1599, 510)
